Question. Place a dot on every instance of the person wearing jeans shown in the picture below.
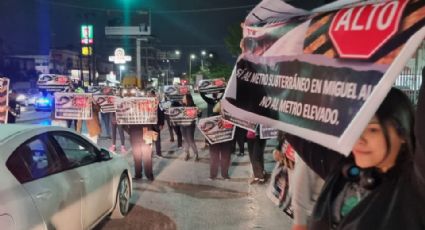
(115, 126)
(106, 121)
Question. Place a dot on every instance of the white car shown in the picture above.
(54, 178)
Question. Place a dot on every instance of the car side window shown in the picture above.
(32, 160)
(78, 151)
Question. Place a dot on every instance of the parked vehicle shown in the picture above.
(54, 178)
(32, 96)
(22, 99)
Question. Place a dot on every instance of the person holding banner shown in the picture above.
(220, 152)
(93, 125)
(158, 126)
(142, 151)
(115, 126)
(211, 102)
(188, 132)
(167, 117)
(176, 128)
(256, 147)
(381, 185)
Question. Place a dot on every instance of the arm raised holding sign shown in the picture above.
(381, 184)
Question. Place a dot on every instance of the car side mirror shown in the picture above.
(105, 155)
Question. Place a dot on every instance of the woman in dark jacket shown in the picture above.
(382, 184)
(188, 132)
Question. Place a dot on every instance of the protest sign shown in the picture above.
(299, 74)
(268, 133)
(183, 116)
(73, 106)
(212, 85)
(216, 130)
(245, 124)
(106, 103)
(4, 99)
(136, 110)
(53, 82)
(176, 92)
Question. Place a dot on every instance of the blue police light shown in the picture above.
(43, 101)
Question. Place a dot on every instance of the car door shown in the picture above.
(96, 175)
(55, 191)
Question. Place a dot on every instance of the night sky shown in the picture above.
(33, 26)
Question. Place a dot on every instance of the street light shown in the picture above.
(203, 53)
(122, 68)
(168, 71)
(192, 57)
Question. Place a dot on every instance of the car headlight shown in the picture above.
(21, 97)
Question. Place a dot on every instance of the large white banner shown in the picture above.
(322, 75)
(136, 110)
(73, 106)
(216, 130)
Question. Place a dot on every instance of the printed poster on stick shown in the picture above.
(4, 99)
(176, 92)
(136, 110)
(212, 85)
(73, 106)
(183, 116)
(245, 124)
(268, 133)
(53, 82)
(106, 103)
(322, 77)
(216, 130)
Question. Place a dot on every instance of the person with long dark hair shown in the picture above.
(158, 126)
(176, 128)
(188, 131)
(381, 185)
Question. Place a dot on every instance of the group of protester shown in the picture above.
(385, 168)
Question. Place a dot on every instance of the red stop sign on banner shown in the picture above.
(191, 112)
(360, 31)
